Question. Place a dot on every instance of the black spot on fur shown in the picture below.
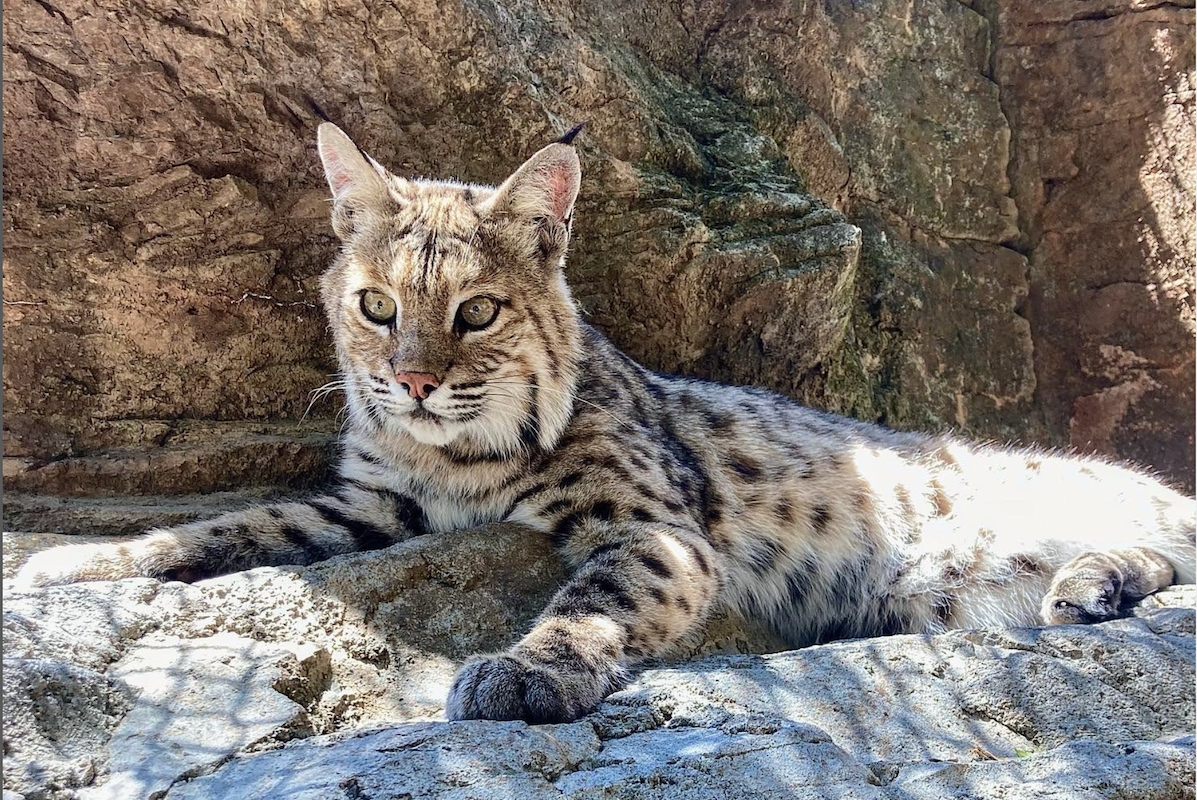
(575, 436)
(603, 462)
(745, 467)
(369, 457)
(408, 512)
(641, 515)
(820, 518)
(530, 426)
(411, 515)
(799, 583)
(605, 585)
(299, 539)
(576, 601)
(784, 511)
(365, 535)
(569, 480)
(720, 422)
(603, 509)
(655, 389)
(763, 554)
(565, 527)
(535, 488)
(455, 456)
(556, 506)
(655, 565)
(699, 558)
(604, 548)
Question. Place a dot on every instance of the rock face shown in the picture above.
(1103, 176)
(932, 214)
(326, 681)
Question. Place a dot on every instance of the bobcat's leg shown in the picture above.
(355, 517)
(639, 590)
(1097, 586)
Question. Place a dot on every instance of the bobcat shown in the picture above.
(477, 393)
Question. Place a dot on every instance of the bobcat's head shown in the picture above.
(448, 303)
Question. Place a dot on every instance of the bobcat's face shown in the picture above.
(451, 317)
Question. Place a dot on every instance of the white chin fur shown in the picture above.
(430, 433)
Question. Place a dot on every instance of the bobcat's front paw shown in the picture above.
(505, 687)
(75, 563)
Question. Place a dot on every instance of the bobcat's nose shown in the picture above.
(418, 384)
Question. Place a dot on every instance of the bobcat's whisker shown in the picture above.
(571, 395)
(320, 392)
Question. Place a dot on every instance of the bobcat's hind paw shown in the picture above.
(507, 687)
(75, 563)
(1093, 595)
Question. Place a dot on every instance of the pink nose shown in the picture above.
(418, 384)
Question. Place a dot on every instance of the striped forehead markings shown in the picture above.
(428, 256)
(429, 248)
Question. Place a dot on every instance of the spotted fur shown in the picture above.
(668, 497)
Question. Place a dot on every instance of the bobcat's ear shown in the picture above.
(356, 180)
(537, 201)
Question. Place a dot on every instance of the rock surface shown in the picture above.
(326, 681)
(931, 213)
(1103, 176)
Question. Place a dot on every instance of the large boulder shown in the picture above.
(328, 681)
(932, 214)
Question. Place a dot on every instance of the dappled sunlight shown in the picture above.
(1167, 179)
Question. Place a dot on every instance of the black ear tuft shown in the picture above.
(316, 109)
(571, 134)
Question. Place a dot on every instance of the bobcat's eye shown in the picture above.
(378, 307)
(478, 312)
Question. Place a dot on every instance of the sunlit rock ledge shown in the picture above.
(329, 681)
